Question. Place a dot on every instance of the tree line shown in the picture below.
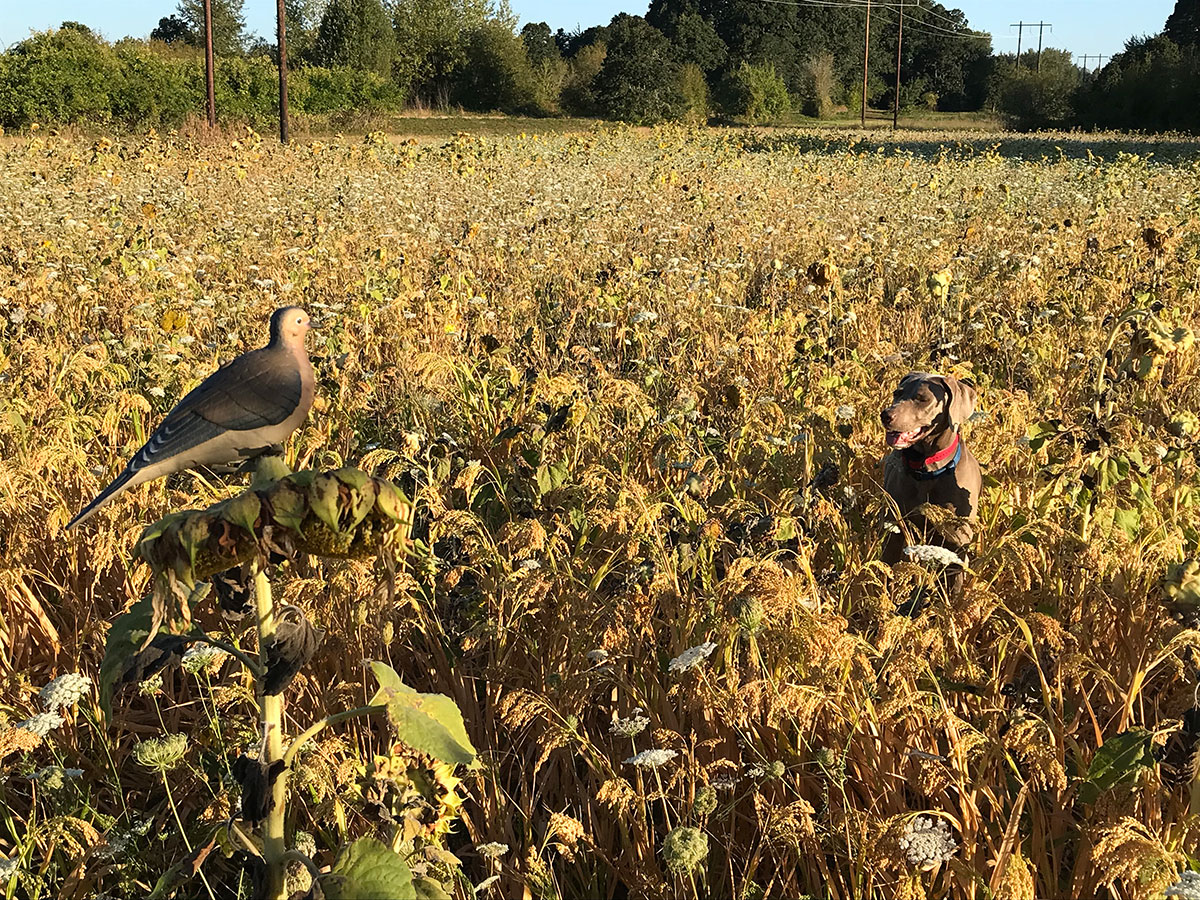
(744, 60)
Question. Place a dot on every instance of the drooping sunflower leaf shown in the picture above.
(431, 723)
(125, 638)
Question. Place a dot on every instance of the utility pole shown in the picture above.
(1041, 25)
(208, 64)
(1021, 26)
(899, 44)
(866, 58)
(283, 93)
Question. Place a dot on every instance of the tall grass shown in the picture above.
(635, 424)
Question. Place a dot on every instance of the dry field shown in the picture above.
(632, 381)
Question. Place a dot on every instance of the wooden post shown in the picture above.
(866, 58)
(899, 44)
(208, 64)
(283, 92)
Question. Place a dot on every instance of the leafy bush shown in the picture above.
(578, 95)
(820, 85)
(497, 75)
(356, 34)
(755, 93)
(639, 79)
(694, 88)
(58, 76)
(1030, 99)
(71, 77)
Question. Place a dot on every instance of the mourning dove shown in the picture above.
(254, 402)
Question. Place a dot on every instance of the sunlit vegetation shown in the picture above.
(631, 382)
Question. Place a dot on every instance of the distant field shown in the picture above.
(633, 424)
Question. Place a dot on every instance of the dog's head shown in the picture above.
(925, 406)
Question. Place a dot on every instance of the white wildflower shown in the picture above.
(651, 759)
(9, 866)
(845, 412)
(692, 657)
(492, 850)
(927, 843)
(65, 690)
(41, 724)
(629, 727)
(200, 656)
(646, 315)
(931, 555)
(598, 656)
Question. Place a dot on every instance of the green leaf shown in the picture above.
(1129, 521)
(368, 870)
(391, 502)
(193, 534)
(323, 496)
(243, 511)
(430, 723)
(125, 638)
(288, 506)
(428, 889)
(352, 478)
(1042, 432)
(551, 477)
(1117, 761)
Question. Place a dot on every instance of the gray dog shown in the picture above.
(930, 463)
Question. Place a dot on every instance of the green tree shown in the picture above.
(1030, 99)
(755, 93)
(431, 41)
(228, 24)
(497, 75)
(303, 20)
(578, 96)
(639, 81)
(539, 43)
(356, 34)
(172, 30)
(1183, 25)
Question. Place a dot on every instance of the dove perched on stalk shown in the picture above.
(254, 402)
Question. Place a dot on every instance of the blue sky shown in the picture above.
(1081, 26)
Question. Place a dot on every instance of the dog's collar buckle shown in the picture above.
(943, 461)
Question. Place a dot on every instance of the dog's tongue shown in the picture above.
(902, 438)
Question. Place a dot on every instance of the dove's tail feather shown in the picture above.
(121, 483)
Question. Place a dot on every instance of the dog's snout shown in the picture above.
(885, 416)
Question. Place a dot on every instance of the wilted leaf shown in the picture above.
(431, 723)
(323, 496)
(125, 638)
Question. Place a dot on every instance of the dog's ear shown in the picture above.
(961, 402)
(910, 378)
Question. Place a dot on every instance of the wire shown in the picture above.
(918, 25)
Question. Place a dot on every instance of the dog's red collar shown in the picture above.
(939, 459)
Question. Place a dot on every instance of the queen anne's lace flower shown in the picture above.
(492, 850)
(65, 690)
(927, 842)
(692, 657)
(684, 848)
(9, 866)
(199, 657)
(651, 759)
(161, 754)
(931, 555)
(1187, 887)
(632, 726)
(41, 724)
(845, 412)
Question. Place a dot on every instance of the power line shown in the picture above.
(1096, 56)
